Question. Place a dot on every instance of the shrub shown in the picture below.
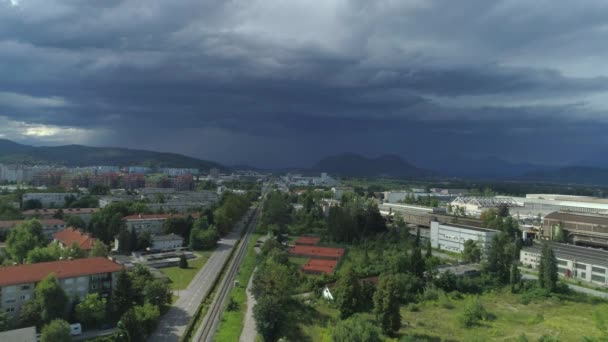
(413, 307)
(473, 312)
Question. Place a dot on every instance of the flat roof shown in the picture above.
(587, 255)
(595, 219)
(479, 229)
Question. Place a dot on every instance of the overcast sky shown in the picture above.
(285, 82)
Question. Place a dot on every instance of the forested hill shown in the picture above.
(79, 155)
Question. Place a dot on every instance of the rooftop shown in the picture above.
(463, 226)
(47, 222)
(69, 211)
(158, 216)
(19, 335)
(167, 237)
(70, 236)
(31, 273)
(600, 220)
(587, 255)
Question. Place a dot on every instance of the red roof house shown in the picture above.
(69, 236)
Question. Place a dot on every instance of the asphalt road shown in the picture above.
(208, 327)
(173, 324)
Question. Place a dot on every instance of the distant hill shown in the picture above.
(485, 168)
(355, 165)
(570, 175)
(78, 155)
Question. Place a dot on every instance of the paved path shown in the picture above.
(173, 324)
(574, 288)
(249, 331)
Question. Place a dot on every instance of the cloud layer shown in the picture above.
(277, 83)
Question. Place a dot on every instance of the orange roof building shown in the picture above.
(316, 252)
(307, 240)
(76, 277)
(319, 266)
(70, 236)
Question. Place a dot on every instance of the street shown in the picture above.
(173, 324)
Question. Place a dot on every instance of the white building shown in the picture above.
(395, 196)
(582, 263)
(451, 237)
(169, 241)
(49, 199)
(474, 206)
(339, 191)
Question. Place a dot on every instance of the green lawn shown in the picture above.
(180, 278)
(298, 261)
(566, 320)
(438, 320)
(231, 325)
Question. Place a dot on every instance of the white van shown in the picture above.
(75, 329)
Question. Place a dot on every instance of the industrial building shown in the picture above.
(578, 228)
(451, 237)
(582, 263)
(474, 206)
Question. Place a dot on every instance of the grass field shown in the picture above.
(438, 320)
(231, 324)
(180, 278)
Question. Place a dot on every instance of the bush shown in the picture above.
(413, 307)
(431, 293)
(473, 312)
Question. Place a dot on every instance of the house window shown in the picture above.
(24, 297)
(598, 278)
(25, 287)
(598, 270)
(68, 281)
(10, 300)
(582, 275)
(580, 266)
(10, 309)
(562, 262)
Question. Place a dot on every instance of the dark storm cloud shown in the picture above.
(278, 82)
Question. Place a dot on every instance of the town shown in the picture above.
(107, 253)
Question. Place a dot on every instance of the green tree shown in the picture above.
(31, 204)
(386, 305)
(269, 317)
(75, 221)
(73, 252)
(183, 262)
(57, 330)
(417, 266)
(51, 252)
(122, 296)
(51, 298)
(91, 311)
(5, 321)
(99, 249)
(274, 278)
(130, 327)
(549, 271)
(473, 312)
(158, 293)
(147, 316)
(515, 278)
(499, 258)
(29, 315)
(347, 292)
(23, 238)
(203, 239)
(429, 249)
(8, 212)
(355, 329)
(471, 252)
(144, 240)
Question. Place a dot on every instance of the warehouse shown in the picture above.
(451, 237)
(582, 263)
(578, 228)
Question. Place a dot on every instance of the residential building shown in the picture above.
(451, 237)
(74, 181)
(339, 191)
(152, 223)
(174, 172)
(132, 181)
(169, 241)
(47, 177)
(579, 228)
(109, 179)
(77, 278)
(581, 263)
(138, 169)
(49, 199)
(84, 213)
(183, 183)
(70, 236)
(396, 196)
(49, 226)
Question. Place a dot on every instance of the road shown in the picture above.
(173, 324)
(574, 288)
(208, 327)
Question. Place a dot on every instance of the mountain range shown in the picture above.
(355, 165)
(78, 155)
